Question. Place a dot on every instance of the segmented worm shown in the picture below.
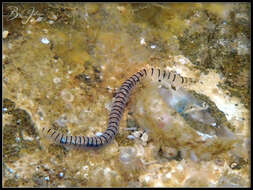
(119, 103)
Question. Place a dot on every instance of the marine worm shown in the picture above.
(121, 98)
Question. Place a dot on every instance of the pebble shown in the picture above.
(137, 134)
(56, 80)
(51, 22)
(142, 41)
(85, 167)
(53, 17)
(153, 46)
(10, 170)
(5, 34)
(39, 19)
(61, 174)
(45, 41)
(131, 137)
(144, 137)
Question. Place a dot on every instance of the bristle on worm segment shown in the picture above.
(119, 103)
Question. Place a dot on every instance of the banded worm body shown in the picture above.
(121, 98)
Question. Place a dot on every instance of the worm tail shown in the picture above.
(115, 115)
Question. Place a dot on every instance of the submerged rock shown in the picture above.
(179, 120)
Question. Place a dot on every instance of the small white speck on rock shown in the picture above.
(45, 41)
(142, 41)
(57, 80)
(131, 137)
(61, 174)
(153, 46)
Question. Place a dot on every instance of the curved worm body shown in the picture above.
(119, 103)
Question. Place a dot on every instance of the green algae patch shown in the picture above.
(19, 136)
(122, 140)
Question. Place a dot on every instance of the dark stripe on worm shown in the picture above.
(152, 71)
(84, 140)
(113, 126)
(116, 105)
(90, 142)
(104, 138)
(87, 141)
(108, 129)
(158, 73)
(114, 130)
(125, 90)
(76, 140)
(116, 113)
(66, 140)
(52, 133)
(48, 131)
(129, 82)
(123, 98)
(113, 117)
(111, 122)
(93, 142)
(70, 142)
(121, 92)
(132, 77)
(107, 133)
(141, 75)
(120, 99)
(99, 141)
(126, 85)
(80, 141)
(174, 77)
(57, 136)
(117, 109)
(107, 137)
(96, 142)
(132, 81)
(182, 79)
(145, 71)
(138, 78)
(164, 74)
(168, 75)
(62, 142)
